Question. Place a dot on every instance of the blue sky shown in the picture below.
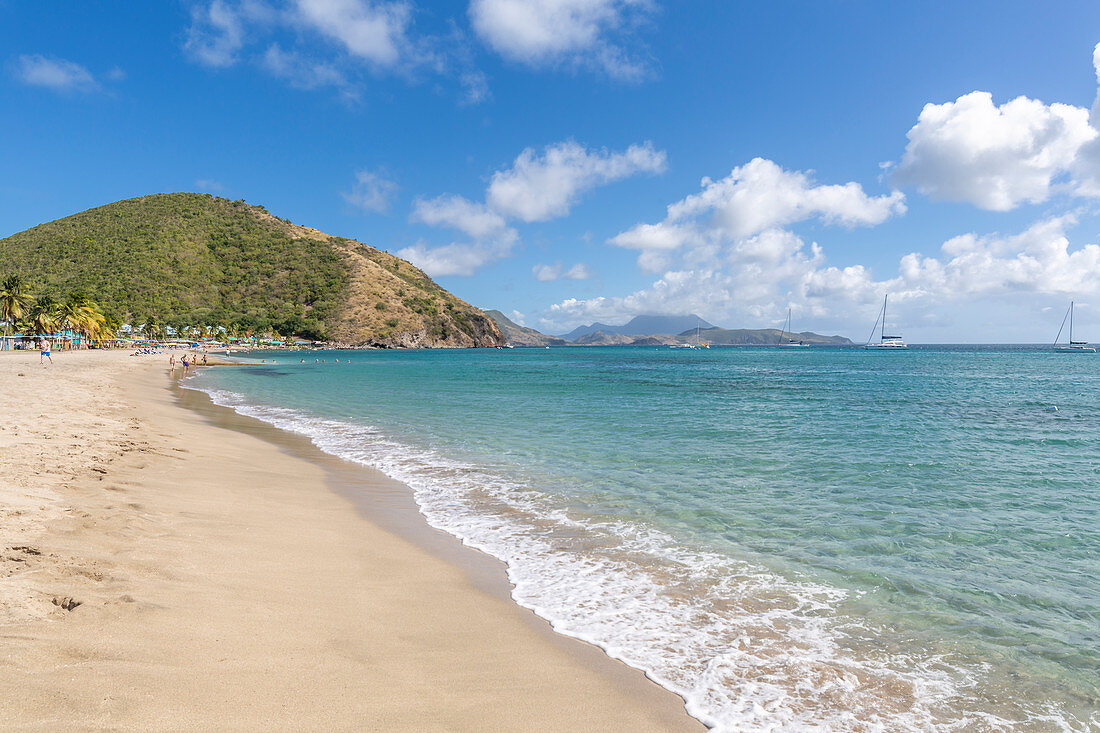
(575, 160)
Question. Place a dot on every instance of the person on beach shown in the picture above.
(172, 361)
(204, 359)
(184, 361)
(44, 351)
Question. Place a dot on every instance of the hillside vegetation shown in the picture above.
(189, 259)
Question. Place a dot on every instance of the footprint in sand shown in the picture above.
(66, 603)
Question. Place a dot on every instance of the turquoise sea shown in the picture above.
(802, 539)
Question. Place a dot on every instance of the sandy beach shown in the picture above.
(165, 564)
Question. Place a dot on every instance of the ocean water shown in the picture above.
(811, 539)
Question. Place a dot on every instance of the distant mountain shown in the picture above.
(581, 331)
(759, 337)
(518, 335)
(600, 338)
(642, 326)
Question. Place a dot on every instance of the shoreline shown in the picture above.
(230, 574)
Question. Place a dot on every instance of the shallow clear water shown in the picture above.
(827, 539)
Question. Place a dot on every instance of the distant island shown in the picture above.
(189, 259)
(641, 326)
(655, 331)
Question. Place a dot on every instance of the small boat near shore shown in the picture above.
(1073, 347)
(885, 343)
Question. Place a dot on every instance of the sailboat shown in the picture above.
(893, 343)
(699, 343)
(1073, 347)
(785, 343)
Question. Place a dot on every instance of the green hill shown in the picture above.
(188, 259)
(760, 337)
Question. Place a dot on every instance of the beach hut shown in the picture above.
(14, 341)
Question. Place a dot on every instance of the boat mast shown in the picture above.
(882, 333)
(1071, 323)
(1063, 324)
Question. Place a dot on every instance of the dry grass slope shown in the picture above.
(390, 303)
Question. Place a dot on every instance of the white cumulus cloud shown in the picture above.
(994, 157)
(534, 188)
(302, 73)
(557, 271)
(456, 212)
(490, 236)
(218, 31)
(53, 73)
(315, 44)
(1038, 260)
(1087, 168)
(373, 31)
(753, 198)
(460, 258)
(754, 281)
(546, 32)
(370, 192)
(542, 187)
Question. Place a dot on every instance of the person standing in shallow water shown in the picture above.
(44, 351)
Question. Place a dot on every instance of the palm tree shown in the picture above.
(107, 329)
(81, 314)
(13, 302)
(72, 314)
(42, 315)
(95, 323)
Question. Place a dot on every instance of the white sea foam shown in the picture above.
(748, 649)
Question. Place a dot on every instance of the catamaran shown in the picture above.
(786, 343)
(1073, 347)
(893, 343)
